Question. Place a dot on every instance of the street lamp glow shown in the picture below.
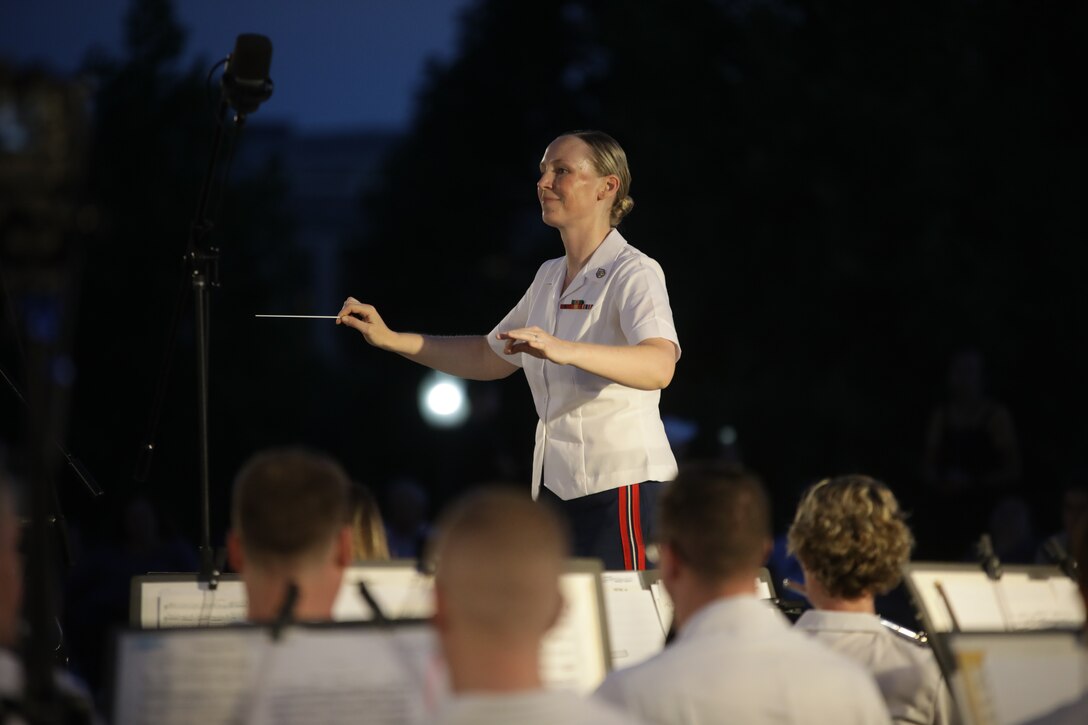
(442, 400)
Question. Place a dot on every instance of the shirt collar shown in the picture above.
(828, 621)
(600, 262)
(743, 614)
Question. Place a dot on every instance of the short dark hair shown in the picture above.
(717, 517)
(288, 503)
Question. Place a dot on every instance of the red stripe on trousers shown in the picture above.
(624, 539)
(636, 510)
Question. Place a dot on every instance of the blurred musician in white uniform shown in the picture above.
(499, 557)
(735, 657)
(851, 541)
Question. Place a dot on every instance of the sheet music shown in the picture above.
(168, 680)
(327, 679)
(664, 605)
(1002, 679)
(401, 592)
(571, 656)
(227, 675)
(210, 608)
(974, 602)
(634, 628)
(1039, 603)
(621, 581)
(1023, 598)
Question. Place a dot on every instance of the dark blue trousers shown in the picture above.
(614, 526)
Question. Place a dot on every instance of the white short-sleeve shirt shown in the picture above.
(906, 673)
(595, 434)
(738, 660)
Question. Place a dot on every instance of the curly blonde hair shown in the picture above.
(850, 534)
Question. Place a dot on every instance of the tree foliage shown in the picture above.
(840, 194)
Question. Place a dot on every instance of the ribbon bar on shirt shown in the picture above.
(576, 305)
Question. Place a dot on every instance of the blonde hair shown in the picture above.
(609, 159)
(368, 540)
(849, 533)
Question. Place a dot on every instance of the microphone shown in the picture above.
(245, 81)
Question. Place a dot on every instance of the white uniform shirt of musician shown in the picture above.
(594, 434)
(735, 658)
(906, 673)
(739, 660)
(538, 707)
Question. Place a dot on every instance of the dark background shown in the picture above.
(841, 194)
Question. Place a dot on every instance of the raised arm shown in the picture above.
(648, 365)
(465, 356)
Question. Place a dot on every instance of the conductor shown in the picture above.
(595, 337)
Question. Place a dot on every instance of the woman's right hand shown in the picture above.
(365, 319)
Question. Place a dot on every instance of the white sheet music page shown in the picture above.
(401, 592)
(634, 629)
(1040, 603)
(571, 657)
(320, 676)
(188, 604)
(974, 602)
(1004, 679)
(664, 605)
(323, 678)
(171, 680)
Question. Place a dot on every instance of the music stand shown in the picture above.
(985, 625)
(243, 673)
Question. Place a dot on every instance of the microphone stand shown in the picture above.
(202, 259)
(202, 266)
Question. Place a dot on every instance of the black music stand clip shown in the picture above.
(989, 560)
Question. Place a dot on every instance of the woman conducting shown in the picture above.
(852, 542)
(595, 337)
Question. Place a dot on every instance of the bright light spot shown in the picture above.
(727, 436)
(442, 400)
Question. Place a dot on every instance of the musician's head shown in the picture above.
(850, 537)
(291, 523)
(11, 567)
(498, 558)
(714, 533)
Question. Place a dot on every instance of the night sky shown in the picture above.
(336, 64)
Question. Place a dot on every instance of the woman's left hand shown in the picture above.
(534, 341)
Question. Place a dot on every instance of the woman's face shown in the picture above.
(570, 190)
